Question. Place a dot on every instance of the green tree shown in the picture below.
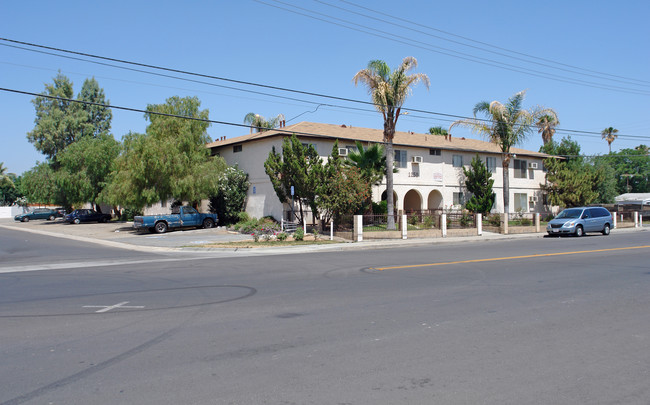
(299, 167)
(60, 121)
(371, 162)
(567, 149)
(546, 126)
(438, 131)
(261, 124)
(631, 169)
(230, 198)
(39, 186)
(610, 135)
(508, 125)
(568, 187)
(342, 191)
(169, 161)
(85, 168)
(389, 90)
(479, 182)
(7, 185)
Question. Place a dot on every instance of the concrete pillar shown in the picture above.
(636, 219)
(304, 226)
(614, 214)
(405, 226)
(504, 223)
(537, 222)
(479, 224)
(332, 229)
(357, 230)
(640, 220)
(443, 224)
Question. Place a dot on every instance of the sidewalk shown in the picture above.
(122, 235)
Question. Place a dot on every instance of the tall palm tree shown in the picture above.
(438, 131)
(261, 124)
(546, 126)
(507, 125)
(389, 90)
(609, 134)
(370, 161)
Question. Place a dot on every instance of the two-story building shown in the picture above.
(430, 174)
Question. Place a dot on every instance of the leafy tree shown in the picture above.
(61, 121)
(631, 169)
(39, 186)
(85, 167)
(568, 187)
(8, 188)
(261, 124)
(546, 125)
(568, 149)
(342, 192)
(230, 198)
(370, 161)
(609, 134)
(169, 161)
(438, 131)
(299, 167)
(389, 91)
(508, 125)
(479, 183)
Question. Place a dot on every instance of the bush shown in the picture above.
(494, 220)
(282, 236)
(380, 207)
(413, 220)
(128, 214)
(316, 234)
(428, 221)
(299, 234)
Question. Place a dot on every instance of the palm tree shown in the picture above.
(438, 131)
(261, 124)
(371, 162)
(546, 126)
(6, 179)
(507, 125)
(389, 91)
(609, 134)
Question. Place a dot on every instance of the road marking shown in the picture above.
(493, 259)
(106, 308)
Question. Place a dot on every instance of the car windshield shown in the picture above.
(570, 213)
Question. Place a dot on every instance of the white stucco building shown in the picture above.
(430, 172)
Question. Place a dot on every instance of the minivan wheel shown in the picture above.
(579, 232)
(606, 230)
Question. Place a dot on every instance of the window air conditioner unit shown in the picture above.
(343, 152)
(532, 165)
(532, 198)
(417, 159)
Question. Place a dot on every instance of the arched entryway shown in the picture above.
(412, 201)
(435, 200)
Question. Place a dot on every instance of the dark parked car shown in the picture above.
(86, 215)
(578, 221)
(38, 213)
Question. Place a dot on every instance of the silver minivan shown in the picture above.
(578, 221)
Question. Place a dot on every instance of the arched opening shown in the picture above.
(412, 201)
(435, 200)
(383, 198)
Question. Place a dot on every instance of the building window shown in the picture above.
(457, 160)
(459, 199)
(520, 169)
(237, 148)
(521, 202)
(491, 164)
(435, 152)
(400, 158)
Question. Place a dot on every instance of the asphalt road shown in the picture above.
(530, 321)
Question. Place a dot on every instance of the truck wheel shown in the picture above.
(160, 227)
(208, 223)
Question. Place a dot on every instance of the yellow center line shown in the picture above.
(493, 259)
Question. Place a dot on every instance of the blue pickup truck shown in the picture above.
(181, 217)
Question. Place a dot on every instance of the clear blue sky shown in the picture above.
(274, 43)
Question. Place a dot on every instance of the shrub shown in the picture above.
(316, 234)
(282, 236)
(413, 220)
(494, 220)
(428, 221)
(299, 234)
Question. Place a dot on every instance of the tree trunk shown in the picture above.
(390, 203)
(506, 185)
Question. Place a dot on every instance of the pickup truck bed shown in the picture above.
(183, 217)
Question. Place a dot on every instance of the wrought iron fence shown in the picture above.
(460, 220)
(379, 222)
(521, 219)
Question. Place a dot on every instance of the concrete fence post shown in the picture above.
(405, 225)
(614, 214)
(443, 224)
(636, 219)
(332, 229)
(304, 226)
(640, 220)
(504, 223)
(537, 222)
(357, 233)
(479, 224)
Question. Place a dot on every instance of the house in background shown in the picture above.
(430, 172)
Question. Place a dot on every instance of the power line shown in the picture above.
(412, 23)
(450, 52)
(623, 136)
